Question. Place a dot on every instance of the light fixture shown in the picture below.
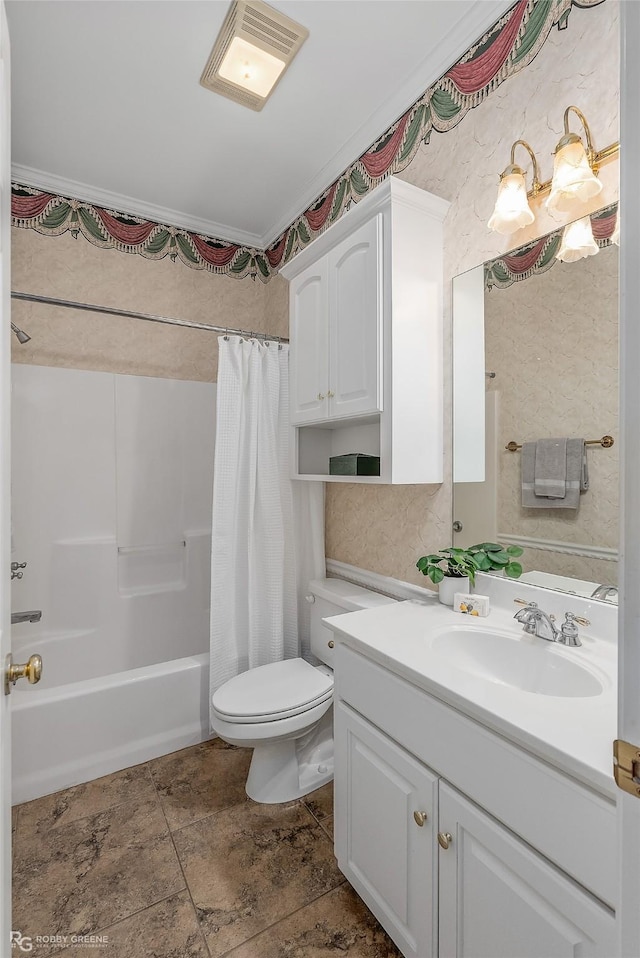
(253, 49)
(574, 168)
(512, 211)
(574, 179)
(577, 241)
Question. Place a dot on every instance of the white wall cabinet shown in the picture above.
(366, 339)
(490, 893)
(335, 332)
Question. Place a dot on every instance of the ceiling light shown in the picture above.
(577, 241)
(255, 46)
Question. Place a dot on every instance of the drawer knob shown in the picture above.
(331, 643)
(320, 397)
(444, 839)
(420, 818)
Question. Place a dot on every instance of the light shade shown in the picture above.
(577, 241)
(573, 179)
(512, 210)
(615, 236)
(250, 67)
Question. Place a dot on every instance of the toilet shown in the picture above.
(283, 711)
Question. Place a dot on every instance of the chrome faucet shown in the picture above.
(537, 622)
(606, 592)
(17, 617)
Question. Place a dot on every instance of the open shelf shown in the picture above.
(315, 444)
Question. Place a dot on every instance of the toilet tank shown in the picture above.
(333, 597)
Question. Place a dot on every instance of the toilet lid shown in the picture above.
(273, 691)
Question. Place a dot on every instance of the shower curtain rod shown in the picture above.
(149, 317)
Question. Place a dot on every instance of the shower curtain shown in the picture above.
(268, 531)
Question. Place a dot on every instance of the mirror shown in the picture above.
(535, 356)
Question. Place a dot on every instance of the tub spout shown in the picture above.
(17, 617)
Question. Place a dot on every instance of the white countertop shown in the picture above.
(575, 734)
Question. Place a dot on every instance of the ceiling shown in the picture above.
(107, 105)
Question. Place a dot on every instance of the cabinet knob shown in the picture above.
(320, 397)
(420, 818)
(330, 394)
(444, 839)
(331, 643)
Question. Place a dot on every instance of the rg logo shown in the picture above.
(18, 940)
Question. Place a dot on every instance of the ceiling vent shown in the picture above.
(255, 46)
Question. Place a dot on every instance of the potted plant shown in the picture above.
(453, 570)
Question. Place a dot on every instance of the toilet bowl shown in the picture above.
(284, 711)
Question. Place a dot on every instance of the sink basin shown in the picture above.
(520, 661)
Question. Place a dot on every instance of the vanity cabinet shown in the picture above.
(518, 877)
(365, 316)
(385, 831)
(497, 896)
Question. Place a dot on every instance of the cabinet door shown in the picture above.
(355, 310)
(500, 899)
(309, 357)
(386, 855)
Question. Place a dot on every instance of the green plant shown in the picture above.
(484, 557)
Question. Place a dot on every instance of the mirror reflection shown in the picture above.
(535, 359)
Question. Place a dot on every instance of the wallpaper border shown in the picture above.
(503, 51)
(540, 255)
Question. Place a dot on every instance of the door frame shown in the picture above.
(5, 476)
(629, 610)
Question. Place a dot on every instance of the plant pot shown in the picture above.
(450, 585)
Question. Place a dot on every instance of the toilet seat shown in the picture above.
(272, 692)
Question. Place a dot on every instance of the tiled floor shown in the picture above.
(170, 859)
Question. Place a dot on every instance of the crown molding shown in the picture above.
(460, 37)
(61, 186)
(464, 34)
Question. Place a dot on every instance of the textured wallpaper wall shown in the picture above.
(385, 528)
(69, 268)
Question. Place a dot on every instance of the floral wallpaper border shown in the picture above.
(508, 47)
(540, 256)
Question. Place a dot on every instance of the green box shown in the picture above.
(354, 464)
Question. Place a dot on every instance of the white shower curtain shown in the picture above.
(268, 531)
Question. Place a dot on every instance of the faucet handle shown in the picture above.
(15, 566)
(569, 630)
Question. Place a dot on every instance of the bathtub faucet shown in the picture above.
(17, 617)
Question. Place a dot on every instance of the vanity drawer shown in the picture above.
(571, 825)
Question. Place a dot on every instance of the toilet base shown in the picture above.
(291, 768)
(276, 776)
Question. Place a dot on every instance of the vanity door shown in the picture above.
(385, 815)
(500, 899)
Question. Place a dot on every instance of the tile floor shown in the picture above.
(170, 859)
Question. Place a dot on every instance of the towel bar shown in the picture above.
(606, 442)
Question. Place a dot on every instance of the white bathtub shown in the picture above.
(73, 733)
